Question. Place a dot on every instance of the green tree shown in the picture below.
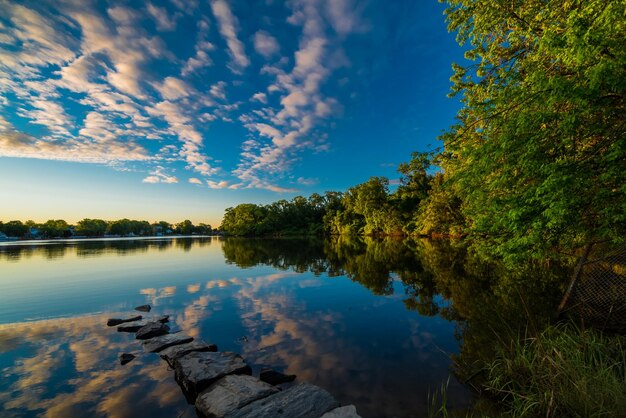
(55, 228)
(14, 229)
(537, 155)
(91, 227)
(185, 227)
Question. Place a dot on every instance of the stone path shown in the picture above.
(221, 385)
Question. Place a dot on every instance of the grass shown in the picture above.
(564, 371)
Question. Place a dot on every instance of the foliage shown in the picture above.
(55, 228)
(91, 227)
(537, 156)
(14, 229)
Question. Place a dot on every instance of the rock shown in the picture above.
(348, 411)
(156, 344)
(162, 319)
(152, 329)
(274, 378)
(231, 393)
(126, 358)
(175, 352)
(116, 321)
(143, 308)
(132, 327)
(196, 371)
(302, 401)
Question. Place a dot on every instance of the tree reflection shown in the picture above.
(439, 277)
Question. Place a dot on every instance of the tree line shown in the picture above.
(535, 161)
(417, 206)
(58, 228)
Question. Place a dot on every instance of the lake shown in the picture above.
(377, 323)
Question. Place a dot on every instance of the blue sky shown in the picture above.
(177, 109)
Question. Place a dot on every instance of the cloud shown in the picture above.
(290, 129)
(164, 21)
(308, 181)
(173, 88)
(217, 185)
(344, 16)
(260, 97)
(265, 44)
(227, 24)
(218, 90)
(194, 180)
(201, 58)
(159, 176)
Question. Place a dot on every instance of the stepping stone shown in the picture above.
(132, 327)
(302, 401)
(348, 411)
(143, 308)
(175, 352)
(156, 344)
(116, 321)
(152, 329)
(162, 319)
(196, 371)
(126, 358)
(231, 393)
(274, 378)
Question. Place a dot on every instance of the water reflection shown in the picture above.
(373, 321)
(95, 247)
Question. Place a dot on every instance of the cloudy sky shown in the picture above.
(177, 109)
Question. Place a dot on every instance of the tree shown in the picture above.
(55, 228)
(537, 155)
(14, 229)
(185, 227)
(91, 227)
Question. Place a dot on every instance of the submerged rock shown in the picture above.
(348, 411)
(156, 344)
(126, 358)
(116, 321)
(175, 352)
(143, 308)
(302, 401)
(196, 371)
(231, 393)
(152, 329)
(274, 378)
(132, 327)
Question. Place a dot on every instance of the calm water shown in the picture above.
(362, 319)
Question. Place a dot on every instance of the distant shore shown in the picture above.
(106, 238)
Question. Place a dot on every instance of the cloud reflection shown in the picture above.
(69, 368)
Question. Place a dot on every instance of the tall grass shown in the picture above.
(564, 371)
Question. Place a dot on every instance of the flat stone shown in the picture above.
(348, 411)
(126, 358)
(302, 401)
(196, 371)
(152, 329)
(231, 393)
(156, 344)
(175, 352)
(143, 308)
(132, 327)
(116, 321)
(274, 378)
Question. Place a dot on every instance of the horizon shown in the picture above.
(177, 111)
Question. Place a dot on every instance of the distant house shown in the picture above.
(34, 233)
(3, 237)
